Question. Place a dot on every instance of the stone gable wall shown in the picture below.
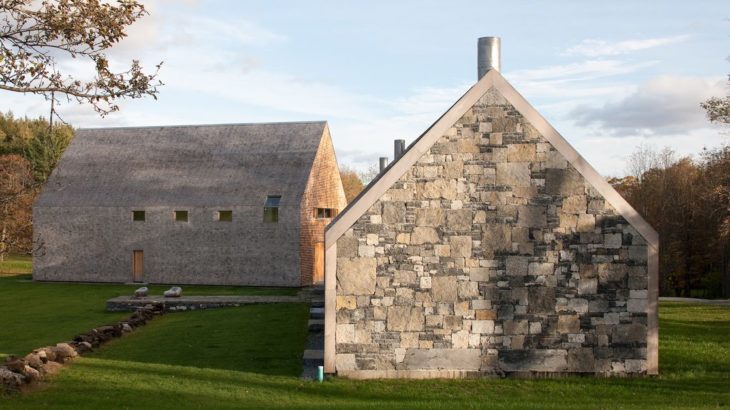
(491, 255)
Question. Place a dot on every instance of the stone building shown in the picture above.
(490, 247)
(242, 204)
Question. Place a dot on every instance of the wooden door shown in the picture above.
(318, 276)
(137, 265)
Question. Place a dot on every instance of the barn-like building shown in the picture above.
(490, 247)
(242, 204)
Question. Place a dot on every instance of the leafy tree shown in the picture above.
(718, 108)
(680, 198)
(34, 36)
(16, 197)
(34, 140)
(351, 183)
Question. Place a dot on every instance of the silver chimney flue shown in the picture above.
(383, 163)
(399, 146)
(488, 55)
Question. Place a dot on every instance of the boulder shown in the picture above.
(33, 360)
(31, 374)
(64, 351)
(9, 379)
(141, 292)
(126, 328)
(49, 352)
(15, 364)
(173, 292)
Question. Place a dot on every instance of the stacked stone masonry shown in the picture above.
(492, 255)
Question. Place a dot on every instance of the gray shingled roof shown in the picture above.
(202, 165)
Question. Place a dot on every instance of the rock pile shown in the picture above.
(17, 372)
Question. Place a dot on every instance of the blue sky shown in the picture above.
(608, 75)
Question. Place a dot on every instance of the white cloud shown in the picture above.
(598, 48)
(664, 105)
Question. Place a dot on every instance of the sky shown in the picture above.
(609, 76)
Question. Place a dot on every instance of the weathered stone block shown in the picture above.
(452, 322)
(442, 359)
(612, 272)
(486, 314)
(444, 288)
(345, 362)
(568, 324)
(346, 302)
(541, 300)
(531, 216)
(439, 188)
(421, 235)
(587, 286)
(496, 237)
(461, 246)
(517, 265)
(613, 240)
(565, 181)
(453, 169)
(394, 212)
(586, 223)
(468, 290)
(540, 269)
(482, 326)
(347, 247)
(516, 174)
(520, 152)
(574, 204)
(429, 217)
(581, 360)
(534, 360)
(345, 333)
(459, 220)
(405, 318)
(356, 276)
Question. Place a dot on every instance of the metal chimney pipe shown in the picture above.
(488, 55)
(398, 147)
(383, 163)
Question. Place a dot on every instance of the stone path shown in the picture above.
(130, 303)
(314, 351)
(722, 302)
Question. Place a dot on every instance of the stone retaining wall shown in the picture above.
(17, 373)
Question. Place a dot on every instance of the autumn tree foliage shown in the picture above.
(351, 182)
(17, 190)
(36, 35)
(688, 202)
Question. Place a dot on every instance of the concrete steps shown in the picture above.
(313, 356)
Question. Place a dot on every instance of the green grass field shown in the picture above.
(38, 314)
(250, 357)
(15, 264)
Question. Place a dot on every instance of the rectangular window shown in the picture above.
(271, 208)
(322, 213)
(225, 216)
(181, 216)
(138, 216)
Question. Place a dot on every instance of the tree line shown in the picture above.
(688, 202)
(29, 151)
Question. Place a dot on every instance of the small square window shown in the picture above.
(322, 213)
(181, 216)
(271, 208)
(138, 216)
(225, 216)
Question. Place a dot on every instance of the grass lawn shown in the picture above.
(249, 357)
(15, 264)
(38, 314)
